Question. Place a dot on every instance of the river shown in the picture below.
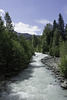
(34, 83)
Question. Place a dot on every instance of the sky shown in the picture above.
(31, 16)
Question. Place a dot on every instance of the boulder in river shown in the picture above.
(64, 84)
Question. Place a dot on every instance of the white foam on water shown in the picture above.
(34, 83)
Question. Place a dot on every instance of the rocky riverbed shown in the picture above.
(52, 64)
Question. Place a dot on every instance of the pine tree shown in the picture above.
(61, 24)
(55, 46)
(66, 31)
(8, 21)
(55, 25)
(34, 41)
(1, 25)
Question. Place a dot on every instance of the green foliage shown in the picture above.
(63, 55)
(54, 51)
(36, 43)
(56, 38)
(27, 47)
(66, 31)
(63, 50)
(61, 24)
(15, 52)
(1, 25)
(55, 25)
(8, 21)
(53, 36)
(47, 33)
(63, 67)
(52, 40)
(44, 47)
(47, 38)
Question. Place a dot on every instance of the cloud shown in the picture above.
(2, 12)
(22, 27)
(26, 28)
(43, 21)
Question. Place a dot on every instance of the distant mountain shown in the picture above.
(26, 35)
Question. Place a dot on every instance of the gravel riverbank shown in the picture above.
(52, 64)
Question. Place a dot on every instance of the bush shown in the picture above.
(54, 51)
(63, 55)
(63, 67)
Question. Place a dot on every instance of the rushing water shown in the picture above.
(34, 83)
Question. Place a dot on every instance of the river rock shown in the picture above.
(52, 64)
(64, 84)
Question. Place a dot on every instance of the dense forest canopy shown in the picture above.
(15, 51)
(54, 42)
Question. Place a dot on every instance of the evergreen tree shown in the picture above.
(34, 41)
(1, 25)
(56, 38)
(61, 24)
(45, 47)
(54, 50)
(55, 25)
(48, 34)
(8, 21)
(66, 31)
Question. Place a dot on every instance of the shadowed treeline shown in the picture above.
(15, 51)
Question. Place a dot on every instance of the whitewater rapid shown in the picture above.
(34, 83)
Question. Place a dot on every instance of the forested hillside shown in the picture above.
(54, 42)
(15, 51)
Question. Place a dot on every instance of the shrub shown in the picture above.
(63, 55)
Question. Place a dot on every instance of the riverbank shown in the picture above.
(33, 83)
(52, 64)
